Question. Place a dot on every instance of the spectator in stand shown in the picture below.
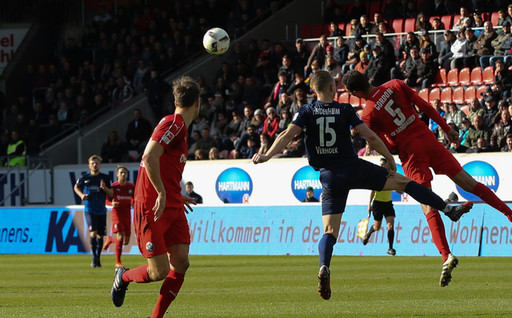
(206, 142)
(299, 99)
(481, 146)
(490, 111)
(354, 28)
(365, 26)
(501, 130)
(189, 188)
(477, 130)
(445, 53)
(287, 68)
(454, 114)
(475, 109)
(427, 43)
(378, 20)
(407, 70)
(341, 51)
(248, 114)
(503, 16)
(112, 149)
(271, 123)
(200, 154)
(503, 77)
(298, 84)
(353, 55)
(300, 56)
(265, 143)
(214, 154)
(508, 146)
(405, 48)
(437, 24)
(362, 65)
(460, 49)
(482, 48)
(463, 131)
(335, 30)
(464, 14)
(123, 91)
(234, 128)
(285, 120)
(284, 102)
(378, 70)
(384, 28)
(250, 132)
(258, 120)
(318, 53)
(16, 151)
(387, 49)
(422, 23)
(196, 136)
(52, 130)
(501, 44)
(427, 69)
(334, 69)
(249, 149)
(155, 87)
(432, 125)
(137, 134)
(280, 87)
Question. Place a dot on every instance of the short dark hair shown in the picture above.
(186, 91)
(355, 81)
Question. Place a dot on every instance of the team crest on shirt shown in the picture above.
(167, 137)
(183, 158)
(130, 191)
(150, 247)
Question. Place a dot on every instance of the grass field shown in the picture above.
(256, 286)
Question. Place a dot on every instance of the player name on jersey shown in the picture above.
(326, 111)
(326, 150)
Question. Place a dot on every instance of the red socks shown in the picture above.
(119, 250)
(168, 292)
(436, 226)
(138, 275)
(490, 198)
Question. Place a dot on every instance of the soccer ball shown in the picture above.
(216, 41)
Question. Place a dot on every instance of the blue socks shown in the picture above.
(424, 195)
(325, 247)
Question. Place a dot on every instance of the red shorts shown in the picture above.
(122, 220)
(153, 237)
(426, 152)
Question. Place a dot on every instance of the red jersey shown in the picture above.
(389, 112)
(123, 194)
(171, 133)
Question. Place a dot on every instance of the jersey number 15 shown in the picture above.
(324, 124)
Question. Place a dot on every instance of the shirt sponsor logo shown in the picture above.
(482, 172)
(234, 185)
(304, 178)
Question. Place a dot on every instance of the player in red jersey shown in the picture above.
(160, 223)
(121, 213)
(389, 111)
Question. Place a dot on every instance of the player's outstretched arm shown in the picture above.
(377, 144)
(279, 144)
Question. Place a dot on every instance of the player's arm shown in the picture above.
(151, 160)
(79, 192)
(279, 144)
(377, 144)
(372, 194)
(108, 191)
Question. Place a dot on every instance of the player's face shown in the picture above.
(122, 174)
(94, 166)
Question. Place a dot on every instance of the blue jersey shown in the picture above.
(327, 135)
(90, 185)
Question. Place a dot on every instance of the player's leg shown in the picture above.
(390, 220)
(119, 247)
(178, 256)
(331, 224)
(467, 183)
(377, 223)
(101, 223)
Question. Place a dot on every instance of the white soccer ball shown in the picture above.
(216, 41)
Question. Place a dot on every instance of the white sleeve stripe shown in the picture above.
(169, 136)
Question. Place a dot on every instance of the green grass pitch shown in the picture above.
(260, 286)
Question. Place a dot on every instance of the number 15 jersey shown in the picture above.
(327, 136)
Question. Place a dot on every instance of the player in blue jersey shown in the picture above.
(93, 188)
(327, 136)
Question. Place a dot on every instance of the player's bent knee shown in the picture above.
(156, 274)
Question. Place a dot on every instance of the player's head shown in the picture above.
(122, 173)
(95, 163)
(186, 92)
(189, 187)
(383, 162)
(323, 83)
(356, 83)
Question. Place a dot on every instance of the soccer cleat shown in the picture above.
(457, 211)
(107, 243)
(448, 266)
(324, 282)
(391, 252)
(119, 287)
(366, 238)
(93, 263)
(98, 263)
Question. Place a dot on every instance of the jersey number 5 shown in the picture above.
(395, 112)
(324, 129)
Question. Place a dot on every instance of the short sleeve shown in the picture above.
(167, 130)
(353, 118)
(300, 117)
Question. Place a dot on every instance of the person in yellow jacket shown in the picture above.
(16, 151)
(382, 206)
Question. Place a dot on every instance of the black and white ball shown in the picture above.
(216, 41)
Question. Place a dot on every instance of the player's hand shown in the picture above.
(102, 185)
(453, 136)
(260, 158)
(391, 166)
(159, 206)
(85, 197)
(115, 204)
(187, 201)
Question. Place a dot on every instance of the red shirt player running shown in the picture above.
(390, 113)
(160, 223)
(121, 213)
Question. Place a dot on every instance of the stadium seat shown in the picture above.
(344, 97)
(355, 101)
(469, 94)
(327, 29)
(480, 91)
(360, 113)
(398, 25)
(434, 94)
(363, 102)
(440, 79)
(458, 95)
(447, 21)
(232, 154)
(486, 16)
(424, 94)
(446, 95)
(224, 154)
(453, 77)
(456, 19)
(305, 31)
(409, 24)
(432, 19)
(317, 30)
(342, 26)
(495, 16)
(476, 76)
(464, 76)
(465, 109)
(488, 75)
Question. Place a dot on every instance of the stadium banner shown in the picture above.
(10, 40)
(284, 181)
(239, 229)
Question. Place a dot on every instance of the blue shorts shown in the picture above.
(354, 174)
(96, 222)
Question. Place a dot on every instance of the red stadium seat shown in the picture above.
(327, 29)
(432, 19)
(344, 97)
(469, 94)
(495, 16)
(464, 76)
(446, 95)
(488, 76)
(453, 77)
(305, 31)
(355, 101)
(456, 19)
(458, 95)
(465, 109)
(224, 154)
(409, 24)
(476, 76)
(424, 94)
(342, 26)
(434, 94)
(480, 91)
(447, 21)
(440, 79)
(398, 25)
(363, 102)
(486, 16)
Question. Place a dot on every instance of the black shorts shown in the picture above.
(380, 209)
(354, 174)
(96, 223)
